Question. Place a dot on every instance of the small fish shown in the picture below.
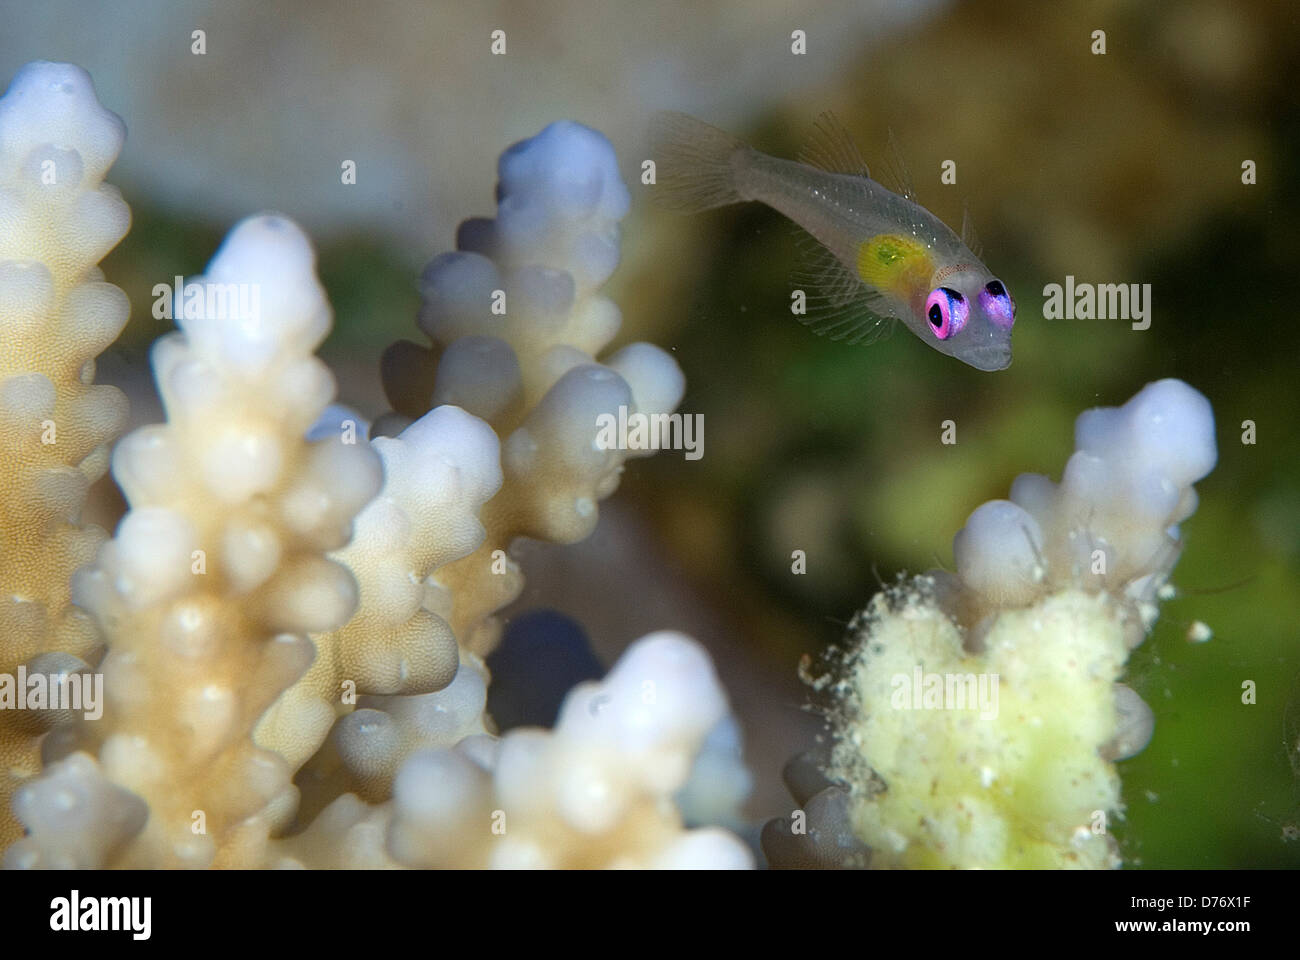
(874, 256)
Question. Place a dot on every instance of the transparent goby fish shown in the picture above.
(872, 256)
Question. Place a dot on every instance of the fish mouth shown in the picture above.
(990, 359)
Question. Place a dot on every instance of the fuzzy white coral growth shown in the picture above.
(978, 715)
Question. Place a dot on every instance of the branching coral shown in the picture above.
(278, 575)
(438, 474)
(978, 715)
(595, 792)
(516, 322)
(217, 573)
(57, 219)
(292, 619)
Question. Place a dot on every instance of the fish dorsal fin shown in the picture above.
(896, 176)
(830, 147)
(968, 234)
(837, 304)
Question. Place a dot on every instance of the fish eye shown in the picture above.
(946, 310)
(997, 304)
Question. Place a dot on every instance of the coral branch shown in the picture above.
(437, 475)
(57, 219)
(516, 324)
(594, 792)
(216, 576)
(978, 715)
(516, 319)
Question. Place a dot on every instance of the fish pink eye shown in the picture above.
(997, 304)
(946, 311)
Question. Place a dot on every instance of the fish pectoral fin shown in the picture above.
(855, 322)
(837, 304)
(831, 147)
(820, 273)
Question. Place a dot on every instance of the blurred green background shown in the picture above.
(1117, 168)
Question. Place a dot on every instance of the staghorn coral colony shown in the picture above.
(285, 599)
(291, 621)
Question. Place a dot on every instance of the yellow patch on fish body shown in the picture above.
(895, 263)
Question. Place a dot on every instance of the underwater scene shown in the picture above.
(559, 435)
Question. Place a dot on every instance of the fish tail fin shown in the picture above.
(695, 163)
